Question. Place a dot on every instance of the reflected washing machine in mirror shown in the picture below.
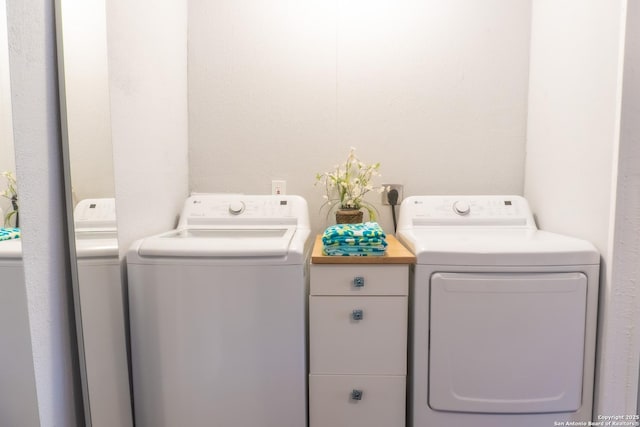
(103, 314)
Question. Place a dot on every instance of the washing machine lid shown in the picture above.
(96, 244)
(234, 226)
(220, 242)
(494, 246)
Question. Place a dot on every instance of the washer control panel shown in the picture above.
(95, 214)
(221, 209)
(466, 210)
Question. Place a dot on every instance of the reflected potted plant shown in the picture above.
(11, 193)
(345, 187)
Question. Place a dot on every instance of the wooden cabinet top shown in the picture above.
(395, 254)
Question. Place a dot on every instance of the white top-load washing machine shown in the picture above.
(217, 315)
(503, 315)
(102, 313)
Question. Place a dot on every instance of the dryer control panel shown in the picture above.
(508, 211)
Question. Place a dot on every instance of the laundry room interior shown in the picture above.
(165, 99)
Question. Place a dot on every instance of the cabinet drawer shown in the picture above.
(359, 279)
(342, 343)
(381, 404)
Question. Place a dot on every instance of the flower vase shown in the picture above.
(14, 205)
(349, 216)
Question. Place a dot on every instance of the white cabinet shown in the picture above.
(358, 335)
(358, 340)
(382, 400)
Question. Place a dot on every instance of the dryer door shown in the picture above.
(507, 342)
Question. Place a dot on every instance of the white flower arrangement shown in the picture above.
(346, 185)
(11, 193)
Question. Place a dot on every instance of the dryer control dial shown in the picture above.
(236, 208)
(461, 207)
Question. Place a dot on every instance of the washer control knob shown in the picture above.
(236, 208)
(461, 207)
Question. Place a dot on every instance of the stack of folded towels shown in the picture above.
(363, 239)
(9, 233)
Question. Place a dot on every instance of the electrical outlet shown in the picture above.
(278, 186)
(397, 187)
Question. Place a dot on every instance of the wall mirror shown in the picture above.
(18, 403)
(99, 296)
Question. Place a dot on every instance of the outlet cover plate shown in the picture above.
(398, 187)
(278, 186)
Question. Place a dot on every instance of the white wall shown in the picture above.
(84, 35)
(36, 122)
(6, 132)
(434, 90)
(574, 96)
(147, 51)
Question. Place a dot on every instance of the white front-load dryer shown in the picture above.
(503, 315)
(218, 315)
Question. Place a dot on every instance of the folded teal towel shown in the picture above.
(9, 233)
(366, 229)
(353, 251)
(355, 241)
(364, 239)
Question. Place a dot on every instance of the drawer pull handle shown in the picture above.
(357, 315)
(356, 394)
(358, 282)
